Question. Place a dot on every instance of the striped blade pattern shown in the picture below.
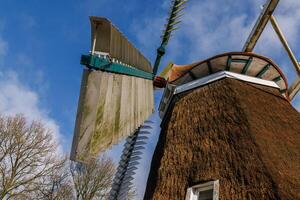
(171, 25)
(129, 160)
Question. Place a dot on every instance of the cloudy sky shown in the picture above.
(41, 43)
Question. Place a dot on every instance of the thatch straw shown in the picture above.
(245, 135)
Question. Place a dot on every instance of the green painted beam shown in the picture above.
(209, 67)
(263, 71)
(277, 79)
(228, 65)
(240, 60)
(192, 75)
(94, 62)
(247, 65)
(283, 91)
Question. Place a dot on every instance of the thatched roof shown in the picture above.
(246, 136)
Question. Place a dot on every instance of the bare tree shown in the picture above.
(27, 153)
(57, 185)
(93, 179)
(30, 167)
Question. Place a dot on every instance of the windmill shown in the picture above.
(226, 126)
(116, 100)
(116, 97)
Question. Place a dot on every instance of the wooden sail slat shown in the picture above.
(112, 41)
(111, 107)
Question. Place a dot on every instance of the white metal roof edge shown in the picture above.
(219, 75)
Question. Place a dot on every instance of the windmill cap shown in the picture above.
(246, 63)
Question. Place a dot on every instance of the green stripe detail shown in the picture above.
(192, 75)
(263, 71)
(283, 91)
(239, 60)
(229, 59)
(277, 79)
(247, 65)
(104, 64)
(209, 67)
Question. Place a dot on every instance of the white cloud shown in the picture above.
(288, 16)
(209, 27)
(215, 26)
(16, 98)
(205, 30)
(147, 32)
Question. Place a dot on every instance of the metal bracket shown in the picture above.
(104, 64)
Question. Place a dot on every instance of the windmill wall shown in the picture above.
(244, 135)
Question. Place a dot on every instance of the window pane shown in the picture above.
(206, 195)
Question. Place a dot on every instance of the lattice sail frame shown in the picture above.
(266, 16)
(171, 25)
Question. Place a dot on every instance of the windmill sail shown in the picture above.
(266, 16)
(116, 94)
(170, 26)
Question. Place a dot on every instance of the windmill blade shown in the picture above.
(266, 16)
(179, 15)
(129, 161)
(171, 26)
(260, 25)
(116, 94)
(294, 88)
(285, 43)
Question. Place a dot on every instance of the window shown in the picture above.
(205, 191)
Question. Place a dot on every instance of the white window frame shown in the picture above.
(193, 192)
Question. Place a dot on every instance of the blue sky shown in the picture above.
(41, 43)
(40, 47)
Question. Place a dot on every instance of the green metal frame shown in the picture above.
(103, 64)
(246, 61)
(247, 65)
(283, 91)
(228, 64)
(192, 75)
(263, 71)
(277, 79)
(209, 67)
